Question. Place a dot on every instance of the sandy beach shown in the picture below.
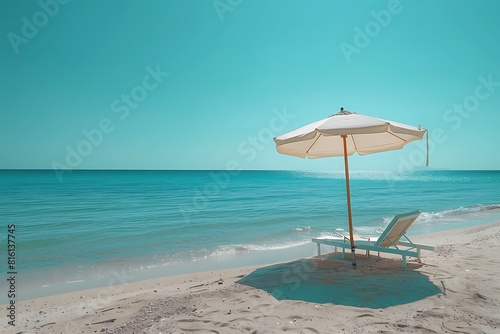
(454, 290)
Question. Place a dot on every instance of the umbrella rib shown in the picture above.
(310, 147)
(354, 142)
(391, 133)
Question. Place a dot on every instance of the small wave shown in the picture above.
(449, 213)
(234, 249)
(307, 228)
(331, 234)
(455, 212)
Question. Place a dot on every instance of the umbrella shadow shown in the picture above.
(376, 283)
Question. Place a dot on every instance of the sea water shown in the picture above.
(98, 228)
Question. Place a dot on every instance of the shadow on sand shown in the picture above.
(376, 283)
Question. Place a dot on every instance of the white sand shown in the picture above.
(465, 268)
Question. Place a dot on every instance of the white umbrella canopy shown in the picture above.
(365, 135)
(344, 134)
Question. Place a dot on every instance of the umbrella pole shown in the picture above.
(348, 191)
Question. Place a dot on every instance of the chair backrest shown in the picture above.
(397, 228)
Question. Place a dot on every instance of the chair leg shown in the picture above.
(404, 261)
(319, 248)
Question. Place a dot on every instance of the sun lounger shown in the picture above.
(388, 242)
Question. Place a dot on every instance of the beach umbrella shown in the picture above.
(344, 134)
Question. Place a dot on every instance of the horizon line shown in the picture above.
(419, 169)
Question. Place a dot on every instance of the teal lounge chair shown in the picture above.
(388, 242)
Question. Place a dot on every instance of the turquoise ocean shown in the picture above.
(98, 228)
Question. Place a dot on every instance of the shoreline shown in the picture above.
(105, 274)
(460, 269)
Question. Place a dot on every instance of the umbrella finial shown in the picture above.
(343, 112)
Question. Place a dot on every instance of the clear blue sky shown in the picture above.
(191, 84)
